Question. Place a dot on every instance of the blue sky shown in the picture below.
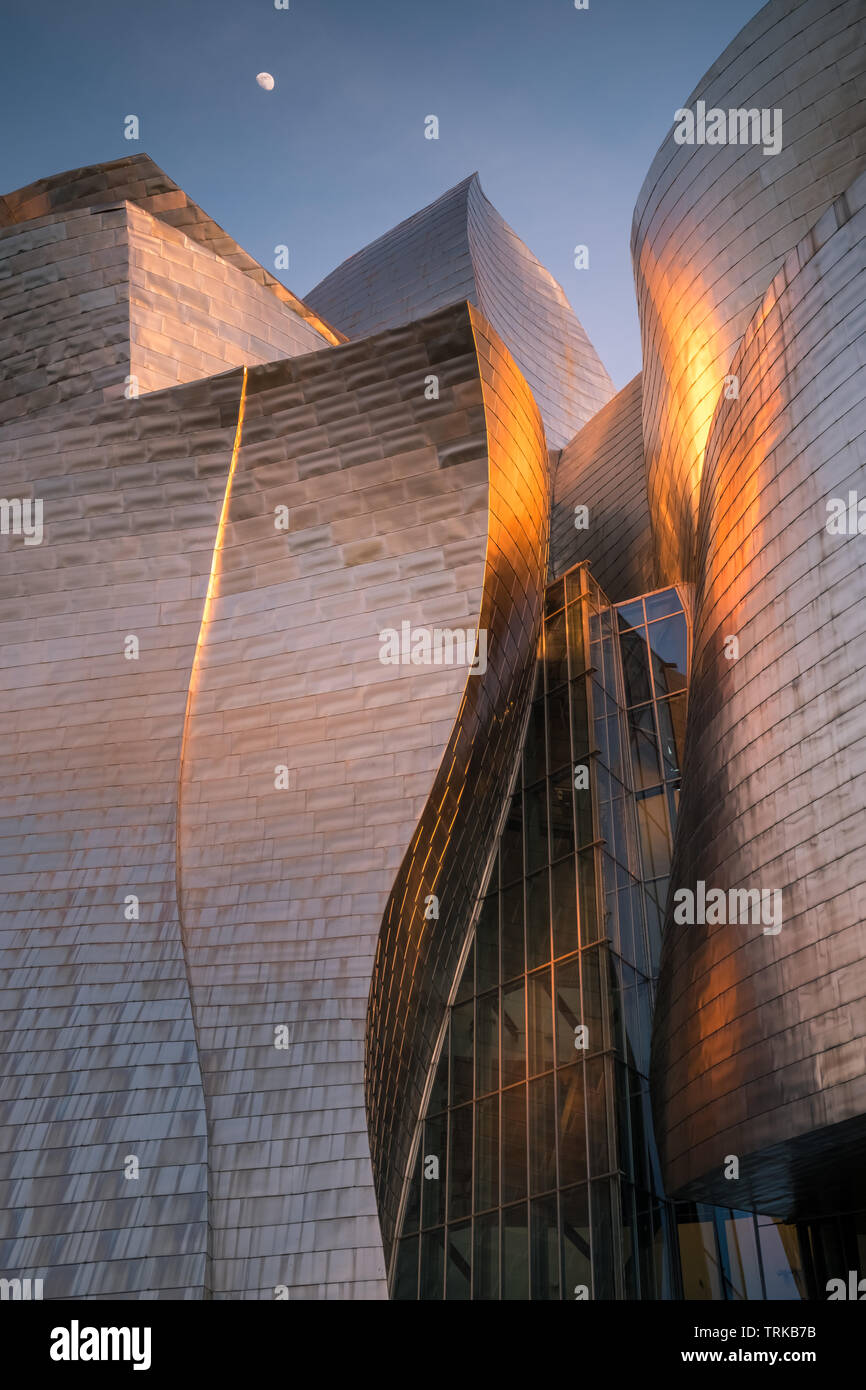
(559, 110)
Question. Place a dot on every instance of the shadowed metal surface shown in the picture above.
(603, 469)
(759, 1042)
(460, 248)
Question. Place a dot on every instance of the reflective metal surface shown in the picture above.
(602, 469)
(417, 956)
(460, 248)
(714, 222)
(760, 1033)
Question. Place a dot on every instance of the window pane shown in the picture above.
(596, 1117)
(511, 851)
(654, 837)
(542, 1135)
(540, 1014)
(576, 1269)
(575, 639)
(459, 1272)
(439, 1092)
(487, 1153)
(533, 750)
(564, 885)
(698, 1256)
(743, 1259)
(406, 1275)
(536, 827)
(513, 1143)
(545, 1249)
(561, 814)
(462, 1030)
(558, 731)
(485, 1263)
(635, 666)
(579, 721)
(574, 585)
(669, 644)
(487, 945)
(460, 1163)
(572, 1130)
(433, 1174)
(629, 614)
(487, 1044)
(782, 1261)
(672, 727)
(512, 931)
(644, 747)
(602, 1240)
(515, 1255)
(413, 1199)
(590, 926)
(513, 1034)
(537, 921)
(661, 604)
(432, 1264)
(555, 651)
(568, 1010)
(466, 987)
(554, 597)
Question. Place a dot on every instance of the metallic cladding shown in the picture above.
(416, 959)
(101, 1058)
(460, 248)
(759, 1041)
(713, 223)
(603, 469)
(284, 887)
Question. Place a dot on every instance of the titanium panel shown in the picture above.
(759, 1041)
(603, 469)
(416, 958)
(460, 248)
(713, 223)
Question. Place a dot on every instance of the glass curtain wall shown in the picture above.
(536, 1174)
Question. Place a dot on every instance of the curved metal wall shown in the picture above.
(283, 887)
(603, 469)
(460, 248)
(101, 1064)
(713, 224)
(760, 1035)
(416, 959)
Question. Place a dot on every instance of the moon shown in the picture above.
(265, 80)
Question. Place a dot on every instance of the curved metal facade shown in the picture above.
(760, 1027)
(251, 859)
(101, 1063)
(417, 958)
(460, 248)
(284, 886)
(603, 469)
(714, 222)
